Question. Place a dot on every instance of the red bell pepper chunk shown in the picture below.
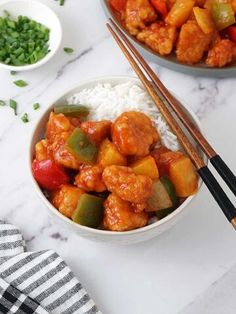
(118, 5)
(231, 31)
(48, 174)
(160, 6)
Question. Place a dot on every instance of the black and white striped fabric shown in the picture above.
(37, 282)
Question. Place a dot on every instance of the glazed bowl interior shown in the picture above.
(170, 61)
(127, 237)
(40, 13)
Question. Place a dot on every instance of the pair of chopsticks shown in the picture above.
(161, 96)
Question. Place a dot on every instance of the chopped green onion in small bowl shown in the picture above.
(31, 34)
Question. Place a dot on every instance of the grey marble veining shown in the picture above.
(218, 298)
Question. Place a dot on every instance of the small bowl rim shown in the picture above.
(175, 65)
(50, 55)
(71, 223)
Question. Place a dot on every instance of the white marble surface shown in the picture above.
(191, 268)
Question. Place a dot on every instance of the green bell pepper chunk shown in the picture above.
(170, 190)
(89, 211)
(81, 147)
(162, 213)
(222, 14)
(72, 110)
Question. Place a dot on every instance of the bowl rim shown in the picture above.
(51, 54)
(177, 66)
(53, 210)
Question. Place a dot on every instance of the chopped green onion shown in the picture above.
(13, 72)
(2, 103)
(68, 50)
(22, 41)
(7, 13)
(62, 2)
(20, 83)
(36, 106)
(13, 105)
(25, 118)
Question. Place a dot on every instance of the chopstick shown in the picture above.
(218, 163)
(212, 184)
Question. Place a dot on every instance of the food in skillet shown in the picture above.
(195, 30)
(112, 174)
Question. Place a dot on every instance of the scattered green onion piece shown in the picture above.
(62, 2)
(2, 103)
(7, 13)
(25, 118)
(68, 50)
(36, 106)
(13, 105)
(20, 83)
(13, 72)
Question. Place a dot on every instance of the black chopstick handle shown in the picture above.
(224, 171)
(218, 193)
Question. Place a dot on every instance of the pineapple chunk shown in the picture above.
(146, 166)
(108, 155)
(164, 161)
(183, 176)
(180, 12)
(204, 20)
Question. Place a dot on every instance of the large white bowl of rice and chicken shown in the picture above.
(106, 164)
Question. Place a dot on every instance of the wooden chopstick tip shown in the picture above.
(233, 222)
(108, 26)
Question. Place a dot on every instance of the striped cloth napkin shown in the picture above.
(37, 282)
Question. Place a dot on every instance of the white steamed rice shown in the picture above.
(107, 102)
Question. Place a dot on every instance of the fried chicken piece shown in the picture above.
(160, 38)
(234, 53)
(221, 54)
(138, 14)
(119, 216)
(42, 151)
(138, 208)
(66, 199)
(57, 124)
(97, 131)
(58, 130)
(215, 38)
(90, 178)
(192, 43)
(126, 184)
(133, 133)
(61, 154)
(157, 152)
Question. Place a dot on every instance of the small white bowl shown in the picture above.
(128, 237)
(40, 13)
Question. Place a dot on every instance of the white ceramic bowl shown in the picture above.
(127, 237)
(40, 13)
